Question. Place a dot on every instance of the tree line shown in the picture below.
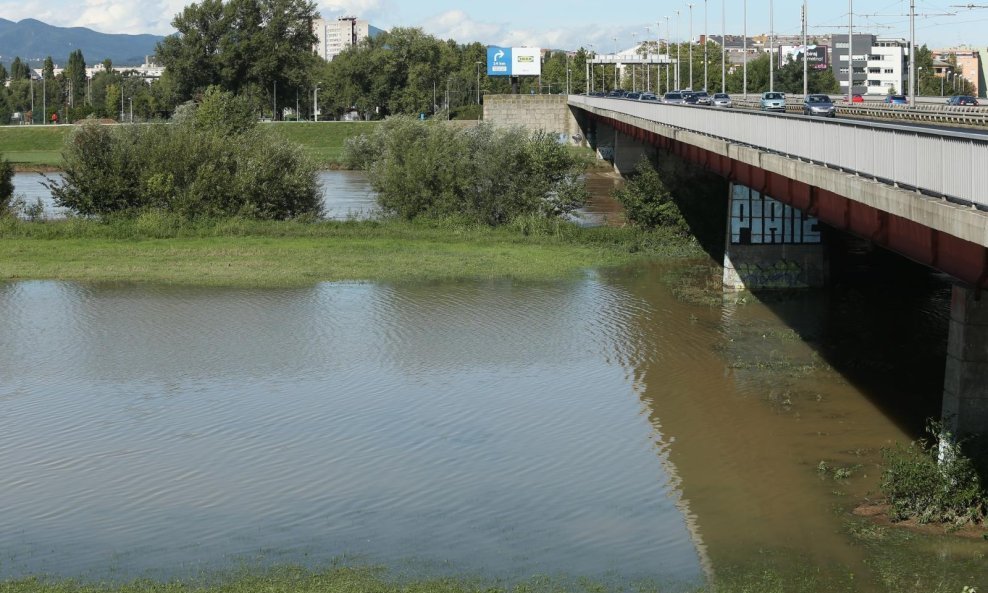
(262, 50)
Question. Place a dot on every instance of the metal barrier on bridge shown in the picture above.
(950, 165)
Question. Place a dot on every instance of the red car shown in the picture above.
(856, 98)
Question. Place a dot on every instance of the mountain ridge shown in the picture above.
(33, 40)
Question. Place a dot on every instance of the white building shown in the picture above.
(333, 37)
(888, 66)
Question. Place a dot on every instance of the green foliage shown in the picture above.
(431, 169)
(19, 70)
(223, 113)
(932, 481)
(247, 47)
(647, 201)
(210, 168)
(6, 186)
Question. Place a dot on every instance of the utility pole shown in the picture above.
(478, 82)
(274, 102)
(668, 55)
(679, 54)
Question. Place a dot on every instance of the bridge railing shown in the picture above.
(951, 165)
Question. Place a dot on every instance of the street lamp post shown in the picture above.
(744, 51)
(668, 55)
(850, 51)
(478, 82)
(805, 52)
(706, 82)
(771, 47)
(315, 107)
(723, 48)
(131, 100)
(690, 52)
(679, 54)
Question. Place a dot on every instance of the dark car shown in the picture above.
(598, 94)
(703, 98)
(648, 97)
(962, 100)
(819, 105)
(896, 100)
(632, 96)
(691, 98)
(616, 93)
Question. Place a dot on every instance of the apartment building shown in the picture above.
(334, 36)
(875, 64)
(968, 62)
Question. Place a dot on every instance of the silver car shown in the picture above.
(773, 102)
(673, 98)
(722, 100)
(819, 105)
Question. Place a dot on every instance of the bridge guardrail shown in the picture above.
(947, 114)
(950, 165)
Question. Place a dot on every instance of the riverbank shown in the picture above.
(237, 252)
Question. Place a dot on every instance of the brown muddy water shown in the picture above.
(597, 427)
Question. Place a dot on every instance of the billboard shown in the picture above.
(816, 55)
(514, 61)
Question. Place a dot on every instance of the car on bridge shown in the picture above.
(691, 98)
(633, 96)
(702, 98)
(722, 100)
(896, 100)
(819, 105)
(773, 102)
(673, 98)
(616, 93)
(648, 97)
(962, 100)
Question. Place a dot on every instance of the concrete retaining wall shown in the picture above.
(550, 113)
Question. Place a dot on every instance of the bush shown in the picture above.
(212, 161)
(647, 201)
(933, 482)
(431, 169)
(6, 187)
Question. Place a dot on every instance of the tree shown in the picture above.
(249, 47)
(19, 70)
(75, 77)
(6, 186)
(3, 75)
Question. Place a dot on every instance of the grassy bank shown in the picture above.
(249, 253)
(322, 141)
(30, 147)
(33, 146)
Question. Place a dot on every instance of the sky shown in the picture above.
(604, 26)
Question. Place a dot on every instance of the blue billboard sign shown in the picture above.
(498, 61)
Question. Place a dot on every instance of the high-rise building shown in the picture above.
(877, 64)
(332, 37)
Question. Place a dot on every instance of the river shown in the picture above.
(599, 427)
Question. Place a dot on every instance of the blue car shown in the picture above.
(896, 100)
(773, 102)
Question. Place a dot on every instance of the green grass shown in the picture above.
(33, 145)
(323, 141)
(42, 145)
(161, 249)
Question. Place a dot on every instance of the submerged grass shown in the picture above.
(238, 252)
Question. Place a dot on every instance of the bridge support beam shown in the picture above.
(771, 245)
(965, 392)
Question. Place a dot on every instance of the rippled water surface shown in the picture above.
(591, 427)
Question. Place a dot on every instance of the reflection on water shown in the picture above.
(596, 427)
(346, 195)
(491, 426)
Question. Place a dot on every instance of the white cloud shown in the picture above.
(458, 25)
(111, 15)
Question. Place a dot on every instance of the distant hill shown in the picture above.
(33, 40)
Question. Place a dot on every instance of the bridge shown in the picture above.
(917, 191)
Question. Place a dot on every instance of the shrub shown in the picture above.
(212, 161)
(932, 481)
(6, 187)
(647, 201)
(431, 169)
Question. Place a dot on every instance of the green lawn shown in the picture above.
(42, 145)
(33, 145)
(323, 141)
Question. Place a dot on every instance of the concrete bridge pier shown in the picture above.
(771, 245)
(965, 392)
(628, 152)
